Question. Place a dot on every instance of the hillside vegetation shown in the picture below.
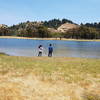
(53, 28)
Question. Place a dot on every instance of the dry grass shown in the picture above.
(23, 78)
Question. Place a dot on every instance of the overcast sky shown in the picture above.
(16, 11)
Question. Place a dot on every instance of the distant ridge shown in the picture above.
(52, 28)
(64, 28)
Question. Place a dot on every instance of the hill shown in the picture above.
(67, 26)
(52, 28)
(55, 23)
(3, 26)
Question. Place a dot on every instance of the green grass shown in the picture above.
(67, 69)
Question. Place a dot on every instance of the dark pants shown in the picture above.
(49, 54)
(40, 54)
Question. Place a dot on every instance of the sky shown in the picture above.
(79, 11)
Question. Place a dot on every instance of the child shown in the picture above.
(40, 48)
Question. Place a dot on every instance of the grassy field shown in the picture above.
(43, 78)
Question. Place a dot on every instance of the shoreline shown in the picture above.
(15, 37)
(5, 54)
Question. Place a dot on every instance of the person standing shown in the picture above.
(40, 49)
(50, 50)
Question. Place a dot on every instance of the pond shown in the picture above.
(28, 47)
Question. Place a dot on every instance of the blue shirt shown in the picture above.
(50, 49)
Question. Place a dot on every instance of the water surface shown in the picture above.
(28, 47)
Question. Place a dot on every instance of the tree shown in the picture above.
(43, 31)
(66, 21)
(4, 30)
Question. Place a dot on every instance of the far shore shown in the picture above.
(16, 37)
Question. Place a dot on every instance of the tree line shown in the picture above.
(93, 25)
(40, 29)
(55, 23)
(83, 32)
